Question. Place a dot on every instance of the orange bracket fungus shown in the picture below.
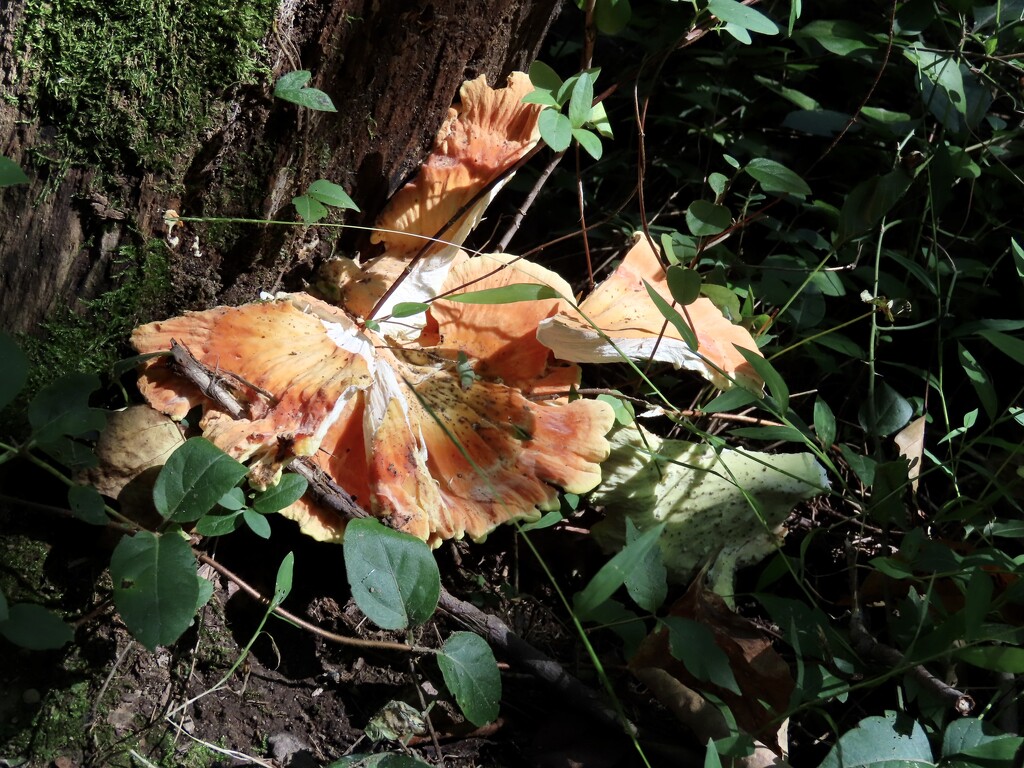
(384, 407)
(619, 318)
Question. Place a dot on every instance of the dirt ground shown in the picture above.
(297, 700)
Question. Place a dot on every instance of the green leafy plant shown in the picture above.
(292, 87)
(11, 173)
(585, 122)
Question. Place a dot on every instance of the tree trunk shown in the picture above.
(391, 72)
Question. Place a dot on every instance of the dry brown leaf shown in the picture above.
(910, 441)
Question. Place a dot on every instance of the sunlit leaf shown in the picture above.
(671, 314)
(309, 210)
(329, 193)
(684, 284)
(704, 218)
(743, 16)
(614, 573)
(611, 16)
(581, 101)
(506, 294)
(774, 177)
(288, 490)
(555, 129)
(195, 477)
(589, 141)
(647, 584)
(292, 87)
(892, 741)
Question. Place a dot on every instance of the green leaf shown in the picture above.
(998, 658)
(623, 409)
(614, 573)
(647, 584)
(980, 380)
(472, 675)
(329, 193)
(291, 87)
(694, 644)
(288, 490)
(775, 177)
(309, 210)
(612, 16)
(194, 479)
(684, 284)
(892, 741)
(284, 579)
(581, 101)
(743, 16)
(1018, 258)
(824, 423)
(976, 738)
(838, 36)
(35, 627)
(155, 587)
(590, 142)
(544, 78)
(393, 576)
(704, 218)
(672, 315)
(62, 408)
(257, 523)
(869, 201)
(507, 294)
(891, 411)
(547, 520)
(772, 379)
(408, 308)
(11, 173)
(14, 371)
(233, 500)
(555, 129)
(87, 504)
(219, 524)
(1010, 346)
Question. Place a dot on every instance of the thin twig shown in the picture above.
(528, 202)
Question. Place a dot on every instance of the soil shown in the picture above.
(296, 700)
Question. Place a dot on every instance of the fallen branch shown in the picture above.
(330, 494)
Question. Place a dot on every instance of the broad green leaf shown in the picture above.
(581, 101)
(87, 504)
(614, 573)
(891, 411)
(998, 658)
(590, 142)
(287, 491)
(555, 129)
(684, 284)
(743, 16)
(892, 741)
(784, 433)
(408, 309)
(195, 477)
(623, 409)
(329, 193)
(949, 89)
(868, 202)
(1018, 258)
(233, 500)
(293, 81)
(219, 524)
(711, 757)
(35, 627)
(507, 294)
(730, 400)
(62, 408)
(704, 218)
(824, 423)
(310, 210)
(772, 379)
(611, 16)
(1010, 346)
(257, 523)
(599, 121)
(544, 77)
(672, 315)
(155, 587)
(724, 298)
(647, 584)
(472, 675)
(694, 644)
(547, 520)
(393, 576)
(624, 622)
(11, 173)
(775, 177)
(980, 380)
(283, 582)
(838, 36)
(976, 738)
(292, 87)
(13, 372)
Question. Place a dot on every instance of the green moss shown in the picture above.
(132, 83)
(93, 336)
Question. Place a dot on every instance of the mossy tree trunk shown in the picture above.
(121, 109)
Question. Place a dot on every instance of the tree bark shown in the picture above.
(391, 71)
